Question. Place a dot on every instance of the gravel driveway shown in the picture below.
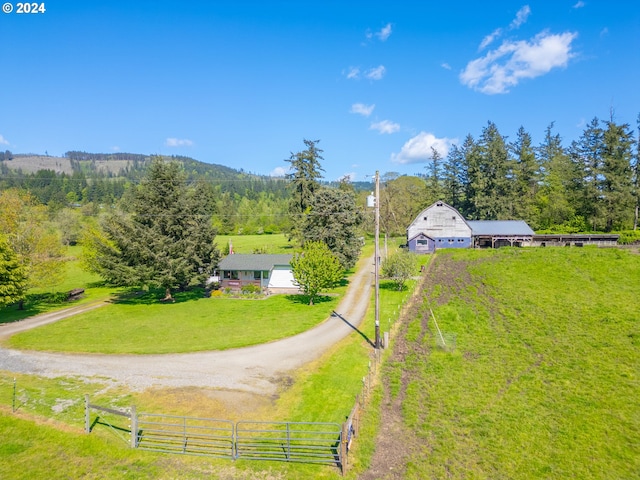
(256, 369)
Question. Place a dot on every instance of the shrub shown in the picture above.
(247, 289)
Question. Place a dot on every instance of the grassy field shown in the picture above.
(45, 434)
(191, 324)
(544, 381)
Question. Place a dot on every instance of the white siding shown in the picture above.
(281, 277)
(439, 221)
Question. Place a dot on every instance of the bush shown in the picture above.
(247, 289)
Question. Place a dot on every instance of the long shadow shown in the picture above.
(362, 334)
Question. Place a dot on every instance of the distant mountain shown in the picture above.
(128, 165)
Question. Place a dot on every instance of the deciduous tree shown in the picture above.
(316, 269)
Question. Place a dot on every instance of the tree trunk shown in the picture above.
(167, 295)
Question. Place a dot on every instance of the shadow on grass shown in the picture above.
(34, 304)
(304, 299)
(393, 287)
(362, 334)
(155, 297)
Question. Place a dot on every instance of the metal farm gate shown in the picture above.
(304, 442)
(186, 435)
(309, 442)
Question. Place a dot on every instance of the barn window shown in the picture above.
(451, 240)
(439, 204)
(453, 218)
(425, 219)
(422, 242)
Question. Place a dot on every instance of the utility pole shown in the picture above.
(377, 260)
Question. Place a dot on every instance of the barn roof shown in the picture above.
(499, 227)
(255, 261)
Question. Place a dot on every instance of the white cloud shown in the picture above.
(506, 66)
(521, 17)
(446, 66)
(488, 40)
(3, 141)
(353, 73)
(362, 109)
(278, 172)
(418, 148)
(376, 73)
(115, 148)
(579, 4)
(178, 142)
(385, 126)
(384, 33)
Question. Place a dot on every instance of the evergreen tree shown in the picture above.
(304, 182)
(334, 219)
(525, 177)
(587, 154)
(166, 242)
(435, 181)
(560, 184)
(13, 275)
(454, 181)
(617, 176)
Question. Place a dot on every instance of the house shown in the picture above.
(271, 272)
(442, 226)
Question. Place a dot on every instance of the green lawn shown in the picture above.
(323, 390)
(545, 378)
(195, 324)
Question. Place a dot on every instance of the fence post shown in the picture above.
(134, 427)
(87, 423)
(13, 403)
(343, 448)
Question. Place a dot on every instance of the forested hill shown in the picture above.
(127, 165)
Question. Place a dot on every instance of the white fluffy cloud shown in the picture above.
(514, 61)
(521, 17)
(580, 4)
(178, 142)
(488, 40)
(418, 148)
(3, 141)
(384, 32)
(385, 126)
(362, 109)
(376, 73)
(353, 73)
(278, 172)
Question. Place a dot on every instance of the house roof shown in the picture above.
(499, 227)
(420, 234)
(257, 261)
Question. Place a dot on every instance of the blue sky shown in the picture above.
(378, 83)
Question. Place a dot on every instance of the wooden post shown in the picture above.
(87, 416)
(134, 427)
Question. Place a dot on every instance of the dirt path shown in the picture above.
(258, 369)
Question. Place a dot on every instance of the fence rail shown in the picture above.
(186, 435)
(308, 442)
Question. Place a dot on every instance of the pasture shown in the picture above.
(544, 379)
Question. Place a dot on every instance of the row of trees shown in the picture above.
(591, 185)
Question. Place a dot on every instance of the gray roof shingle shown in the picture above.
(256, 261)
(499, 227)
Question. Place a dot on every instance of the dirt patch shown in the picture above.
(231, 405)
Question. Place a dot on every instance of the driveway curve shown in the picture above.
(257, 369)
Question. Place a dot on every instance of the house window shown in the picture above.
(258, 274)
(230, 275)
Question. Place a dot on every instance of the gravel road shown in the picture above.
(258, 369)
